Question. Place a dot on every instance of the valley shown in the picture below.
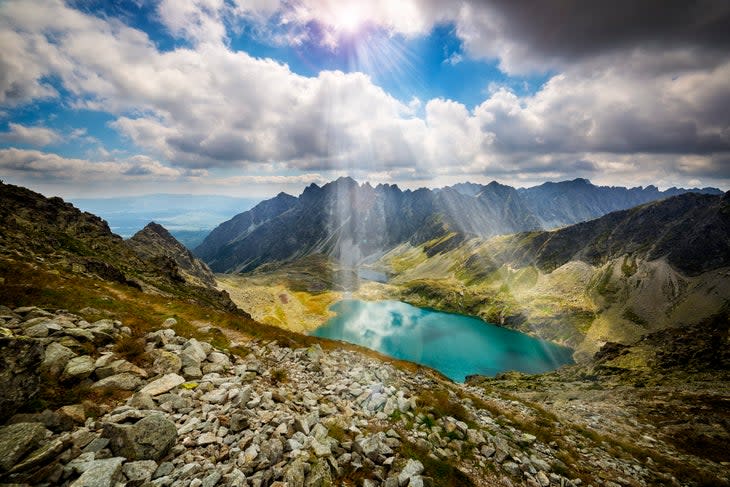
(102, 336)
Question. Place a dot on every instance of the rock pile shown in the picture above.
(274, 416)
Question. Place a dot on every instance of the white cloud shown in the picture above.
(37, 136)
(206, 106)
(36, 165)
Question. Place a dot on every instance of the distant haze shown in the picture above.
(188, 217)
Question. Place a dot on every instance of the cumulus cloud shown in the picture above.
(656, 98)
(44, 166)
(37, 136)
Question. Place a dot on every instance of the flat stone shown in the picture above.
(125, 382)
(101, 473)
(40, 456)
(207, 439)
(163, 384)
(140, 471)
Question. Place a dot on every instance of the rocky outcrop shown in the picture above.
(20, 359)
(155, 244)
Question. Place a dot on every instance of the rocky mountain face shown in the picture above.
(615, 278)
(352, 222)
(59, 236)
(156, 245)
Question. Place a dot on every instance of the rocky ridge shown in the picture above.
(353, 223)
(154, 243)
(183, 413)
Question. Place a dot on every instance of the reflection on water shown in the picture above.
(455, 345)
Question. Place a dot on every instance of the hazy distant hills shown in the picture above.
(189, 218)
(353, 222)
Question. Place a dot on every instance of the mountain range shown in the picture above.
(356, 223)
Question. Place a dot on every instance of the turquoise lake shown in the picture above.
(455, 345)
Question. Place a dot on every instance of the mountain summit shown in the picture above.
(353, 222)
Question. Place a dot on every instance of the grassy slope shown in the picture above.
(576, 304)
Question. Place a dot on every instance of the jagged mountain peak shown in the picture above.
(344, 219)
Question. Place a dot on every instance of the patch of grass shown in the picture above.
(443, 473)
(130, 348)
(441, 405)
(279, 375)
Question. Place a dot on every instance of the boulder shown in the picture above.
(20, 361)
(118, 367)
(164, 362)
(100, 473)
(148, 439)
(56, 358)
(78, 368)
(18, 439)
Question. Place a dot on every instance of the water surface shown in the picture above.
(455, 345)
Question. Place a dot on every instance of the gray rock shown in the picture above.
(96, 445)
(37, 331)
(374, 447)
(321, 449)
(163, 384)
(78, 368)
(542, 479)
(294, 473)
(163, 470)
(416, 481)
(41, 456)
(412, 468)
(212, 479)
(140, 471)
(118, 367)
(125, 381)
(20, 360)
(100, 473)
(148, 439)
(319, 475)
(18, 439)
(164, 362)
(169, 322)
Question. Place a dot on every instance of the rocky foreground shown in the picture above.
(165, 410)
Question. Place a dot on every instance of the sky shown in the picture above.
(252, 97)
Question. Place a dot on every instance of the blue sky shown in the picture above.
(251, 97)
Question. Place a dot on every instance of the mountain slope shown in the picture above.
(155, 244)
(615, 278)
(354, 223)
(58, 236)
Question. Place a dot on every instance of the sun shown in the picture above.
(347, 17)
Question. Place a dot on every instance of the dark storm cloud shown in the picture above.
(573, 29)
